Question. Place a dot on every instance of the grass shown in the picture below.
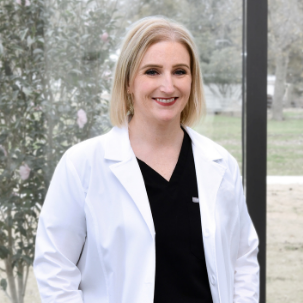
(224, 130)
(285, 145)
(284, 140)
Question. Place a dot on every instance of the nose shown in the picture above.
(167, 85)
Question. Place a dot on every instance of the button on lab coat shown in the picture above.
(96, 238)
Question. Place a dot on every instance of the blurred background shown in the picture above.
(56, 67)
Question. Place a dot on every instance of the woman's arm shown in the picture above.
(60, 237)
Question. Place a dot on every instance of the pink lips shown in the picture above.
(166, 104)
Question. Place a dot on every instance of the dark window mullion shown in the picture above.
(255, 120)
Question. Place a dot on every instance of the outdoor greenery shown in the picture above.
(55, 74)
(285, 145)
(285, 20)
(225, 130)
(284, 140)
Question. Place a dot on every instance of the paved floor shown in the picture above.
(284, 242)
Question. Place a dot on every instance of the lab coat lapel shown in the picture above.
(209, 173)
(128, 172)
(209, 177)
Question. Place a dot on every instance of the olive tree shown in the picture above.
(55, 72)
(285, 32)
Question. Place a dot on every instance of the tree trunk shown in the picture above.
(11, 280)
(9, 262)
(281, 69)
(20, 283)
(288, 97)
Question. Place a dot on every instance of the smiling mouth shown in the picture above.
(166, 101)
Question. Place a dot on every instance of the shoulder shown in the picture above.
(83, 158)
(87, 149)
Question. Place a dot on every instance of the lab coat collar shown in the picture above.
(117, 146)
(206, 146)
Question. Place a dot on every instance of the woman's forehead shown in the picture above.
(166, 52)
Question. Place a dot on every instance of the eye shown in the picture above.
(151, 72)
(180, 72)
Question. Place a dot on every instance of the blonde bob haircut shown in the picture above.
(140, 37)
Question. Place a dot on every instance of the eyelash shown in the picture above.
(153, 72)
(181, 72)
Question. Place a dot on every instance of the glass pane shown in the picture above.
(220, 45)
(56, 64)
(285, 152)
(217, 29)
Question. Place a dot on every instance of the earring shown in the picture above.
(130, 104)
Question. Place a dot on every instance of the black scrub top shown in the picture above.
(181, 274)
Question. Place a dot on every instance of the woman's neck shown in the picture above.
(157, 144)
(155, 135)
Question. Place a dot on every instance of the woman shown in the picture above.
(151, 211)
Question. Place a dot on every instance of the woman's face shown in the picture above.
(162, 85)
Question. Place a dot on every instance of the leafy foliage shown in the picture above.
(285, 50)
(54, 66)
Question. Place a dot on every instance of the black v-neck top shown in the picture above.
(181, 274)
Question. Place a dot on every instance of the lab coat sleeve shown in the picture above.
(246, 283)
(60, 237)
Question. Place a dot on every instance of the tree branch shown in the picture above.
(25, 281)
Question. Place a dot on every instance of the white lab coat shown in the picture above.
(96, 238)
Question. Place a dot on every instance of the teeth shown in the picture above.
(165, 100)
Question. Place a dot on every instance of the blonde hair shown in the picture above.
(140, 37)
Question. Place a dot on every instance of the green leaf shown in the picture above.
(30, 41)
(3, 284)
(27, 91)
(27, 259)
(37, 50)
(3, 137)
(76, 71)
(23, 34)
(4, 252)
(1, 49)
(40, 39)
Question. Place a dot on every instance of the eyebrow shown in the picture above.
(160, 66)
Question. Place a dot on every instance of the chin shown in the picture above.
(167, 119)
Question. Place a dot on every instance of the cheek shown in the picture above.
(187, 90)
(186, 86)
(142, 90)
